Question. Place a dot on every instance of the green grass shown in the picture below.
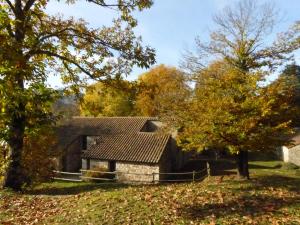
(272, 196)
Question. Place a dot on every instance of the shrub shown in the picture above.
(37, 158)
(100, 172)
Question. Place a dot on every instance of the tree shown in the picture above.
(239, 40)
(39, 136)
(292, 71)
(35, 45)
(231, 110)
(291, 74)
(102, 100)
(66, 107)
(161, 90)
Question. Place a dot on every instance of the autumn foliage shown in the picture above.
(38, 158)
(235, 111)
(109, 100)
(161, 89)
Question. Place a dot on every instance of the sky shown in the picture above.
(170, 26)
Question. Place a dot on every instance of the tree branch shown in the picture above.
(11, 5)
(110, 5)
(63, 58)
(28, 5)
(9, 30)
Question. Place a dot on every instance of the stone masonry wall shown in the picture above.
(84, 164)
(292, 155)
(72, 159)
(137, 172)
(165, 163)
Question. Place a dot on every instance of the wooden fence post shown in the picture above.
(193, 175)
(208, 169)
(153, 177)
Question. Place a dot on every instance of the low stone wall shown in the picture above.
(137, 172)
(291, 155)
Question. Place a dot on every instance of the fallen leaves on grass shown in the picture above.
(208, 202)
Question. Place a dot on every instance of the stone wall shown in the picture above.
(165, 163)
(71, 160)
(137, 172)
(291, 155)
(129, 171)
(179, 157)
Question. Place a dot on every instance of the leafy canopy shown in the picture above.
(161, 90)
(232, 110)
(34, 46)
(103, 100)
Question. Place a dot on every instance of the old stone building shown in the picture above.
(291, 153)
(134, 147)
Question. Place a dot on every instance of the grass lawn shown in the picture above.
(272, 196)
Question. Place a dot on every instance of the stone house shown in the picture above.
(291, 153)
(134, 147)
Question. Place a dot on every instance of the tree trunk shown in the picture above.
(242, 165)
(14, 177)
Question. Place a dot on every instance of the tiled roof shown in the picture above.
(135, 147)
(119, 138)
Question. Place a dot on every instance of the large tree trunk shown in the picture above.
(14, 177)
(242, 165)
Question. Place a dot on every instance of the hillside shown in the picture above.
(272, 196)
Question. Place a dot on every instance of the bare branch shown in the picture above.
(63, 58)
(29, 4)
(11, 5)
(109, 5)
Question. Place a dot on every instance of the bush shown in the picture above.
(98, 174)
(37, 158)
(289, 166)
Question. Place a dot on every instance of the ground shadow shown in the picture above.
(221, 167)
(277, 181)
(243, 206)
(255, 166)
(73, 189)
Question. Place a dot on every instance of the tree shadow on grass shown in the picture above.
(249, 201)
(277, 181)
(255, 166)
(73, 188)
(243, 206)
